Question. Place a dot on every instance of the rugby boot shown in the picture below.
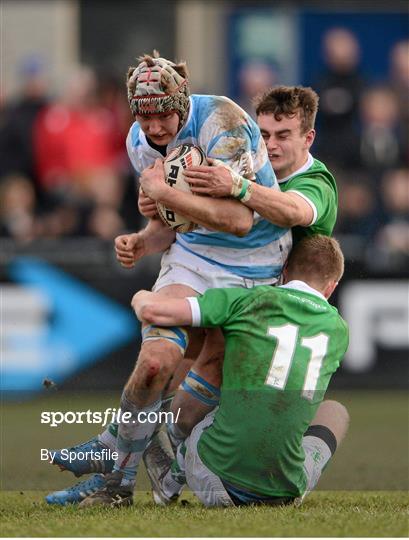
(78, 492)
(158, 458)
(112, 494)
(85, 462)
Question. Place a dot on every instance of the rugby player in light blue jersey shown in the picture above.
(230, 248)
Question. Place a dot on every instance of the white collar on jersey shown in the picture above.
(305, 167)
(302, 286)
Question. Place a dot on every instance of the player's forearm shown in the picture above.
(157, 236)
(225, 215)
(152, 308)
(282, 209)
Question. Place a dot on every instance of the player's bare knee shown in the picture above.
(150, 365)
(334, 409)
(146, 370)
(156, 360)
(159, 356)
(334, 416)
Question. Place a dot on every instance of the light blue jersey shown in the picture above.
(224, 131)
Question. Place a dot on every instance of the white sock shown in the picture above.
(317, 455)
(133, 437)
(175, 479)
(107, 438)
(171, 486)
(176, 435)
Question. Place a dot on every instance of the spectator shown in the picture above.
(399, 82)
(254, 77)
(358, 214)
(381, 146)
(339, 88)
(112, 97)
(22, 219)
(393, 237)
(77, 151)
(18, 117)
(17, 208)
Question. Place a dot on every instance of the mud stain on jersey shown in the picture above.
(232, 119)
(229, 116)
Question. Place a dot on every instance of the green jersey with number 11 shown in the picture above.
(282, 346)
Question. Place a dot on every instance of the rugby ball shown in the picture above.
(180, 158)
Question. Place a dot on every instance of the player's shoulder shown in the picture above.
(342, 322)
(217, 101)
(316, 174)
(319, 169)
(223, 107)
(134, 138)
(341, 329)
(340, 325)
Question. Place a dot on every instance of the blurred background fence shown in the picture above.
(67, 188)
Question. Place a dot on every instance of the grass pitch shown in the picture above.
(378, 514)
(362, 493)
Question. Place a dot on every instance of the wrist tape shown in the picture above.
(241, 187)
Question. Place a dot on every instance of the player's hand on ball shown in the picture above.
(214, 181)
(147, 207)
(129, 248)
(152, 180)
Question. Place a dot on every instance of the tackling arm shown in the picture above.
(282, 209)
(153, 308)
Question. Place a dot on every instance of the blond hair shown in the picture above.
(316, 259)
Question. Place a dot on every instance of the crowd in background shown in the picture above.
(363, 137)
(64, 170)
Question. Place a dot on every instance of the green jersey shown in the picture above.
(282, 346)
(317, 185)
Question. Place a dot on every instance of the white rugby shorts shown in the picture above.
(208, 487)
(179, 267)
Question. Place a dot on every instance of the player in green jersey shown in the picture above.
(307, 202)
(286, 117)
(308, 199)
(271, 436)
